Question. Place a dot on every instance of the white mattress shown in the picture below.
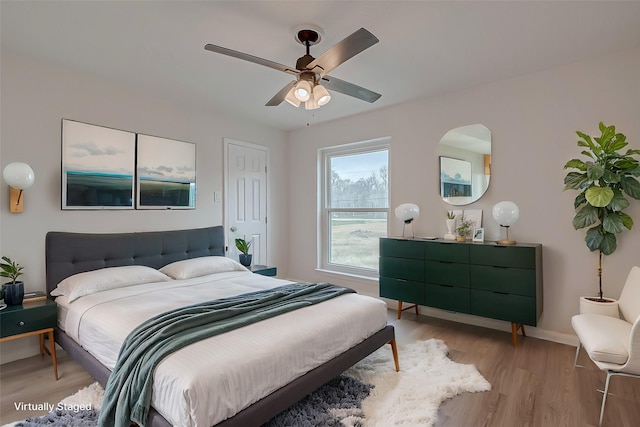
(210, 381)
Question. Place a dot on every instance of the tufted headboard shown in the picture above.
(71, 253)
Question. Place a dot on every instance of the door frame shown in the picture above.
(225, 144)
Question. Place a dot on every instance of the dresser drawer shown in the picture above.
(516, 281)
(400, 248)
(452, 252)
(402, 290)
(447, 297)
(447, 273)
(402, 268)
(512, 308)
(18, 320)
(503, 256)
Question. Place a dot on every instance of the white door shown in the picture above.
(246, 197)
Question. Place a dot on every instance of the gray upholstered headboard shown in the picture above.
(71, 253)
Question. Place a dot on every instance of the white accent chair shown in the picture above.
(613, 343)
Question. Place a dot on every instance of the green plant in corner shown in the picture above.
(10, 269)
(243, 246)
(603, 180)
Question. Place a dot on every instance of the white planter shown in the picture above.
(605, 308)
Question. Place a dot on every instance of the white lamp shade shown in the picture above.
(302, 90)
(19, 175)
(407, 212)
(291, 99)
(506, 213)
(321, 95)
(311, 103)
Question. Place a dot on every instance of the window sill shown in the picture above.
(342, 273)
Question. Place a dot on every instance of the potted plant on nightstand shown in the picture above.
(603, 180)
(244, 257)
(13, 291)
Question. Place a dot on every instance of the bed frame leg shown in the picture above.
(394, 350)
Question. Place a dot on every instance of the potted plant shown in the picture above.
(244, 257)
(13, 291)
(603, 181)
(464, 229)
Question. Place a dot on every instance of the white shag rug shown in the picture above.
(407, 398)
(412, 396)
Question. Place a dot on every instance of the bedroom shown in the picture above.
(533, 115)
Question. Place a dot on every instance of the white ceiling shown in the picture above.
(426, 47)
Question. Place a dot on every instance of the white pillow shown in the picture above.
(202, 266)
(90, 282)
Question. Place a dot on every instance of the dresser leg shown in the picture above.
(399, 309)
(514, 332)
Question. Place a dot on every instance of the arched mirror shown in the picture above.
(465, 164)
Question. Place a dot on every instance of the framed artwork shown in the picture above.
(478, 235)
(166, 173)
(455, 177)
(98, 166)
(475, 216)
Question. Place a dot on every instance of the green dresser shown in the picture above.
(484, 279)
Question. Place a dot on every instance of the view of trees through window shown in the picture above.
(358, 202)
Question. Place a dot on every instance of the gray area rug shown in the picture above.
(333, 401)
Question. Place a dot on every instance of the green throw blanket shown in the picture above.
(128, 392)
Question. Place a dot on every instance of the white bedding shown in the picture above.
(214, 379)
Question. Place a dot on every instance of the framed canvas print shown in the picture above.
(166, 173)
(455, 177)
(98, 166)
(475, 216)
(478, 235)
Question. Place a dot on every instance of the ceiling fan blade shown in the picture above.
(350, 89)
(281, 95)
(250, 58)
(343, 50)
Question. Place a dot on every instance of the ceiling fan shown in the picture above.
(312, 79)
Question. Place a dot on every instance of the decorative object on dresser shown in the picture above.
(243, 246)
(13, 291)
(506, 214)
(407, 213)
(19, 176)
(612, 340)
(464, 229)
(38, 318)
(451, 226)
(484, 279)
(478, 235)
(603, 180)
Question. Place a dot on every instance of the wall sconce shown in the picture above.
(406, 213)
(19, 176)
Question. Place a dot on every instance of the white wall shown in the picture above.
(533, 120)
(36, 96)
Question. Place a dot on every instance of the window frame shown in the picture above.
(324, 211)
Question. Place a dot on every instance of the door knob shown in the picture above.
(233, 229)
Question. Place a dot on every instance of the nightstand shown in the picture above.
(265, 270)
(33, 318)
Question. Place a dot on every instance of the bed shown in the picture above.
(68, 254)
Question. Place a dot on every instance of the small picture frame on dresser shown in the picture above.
(478, 235)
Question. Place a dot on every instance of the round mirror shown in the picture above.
(465, 164)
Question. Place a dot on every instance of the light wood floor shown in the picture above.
(534, 384)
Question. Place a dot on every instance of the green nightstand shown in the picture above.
(265, 270)
(33, 318)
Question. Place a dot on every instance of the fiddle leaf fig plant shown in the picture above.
(604, 181)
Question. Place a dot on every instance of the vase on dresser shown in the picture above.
(451, 229)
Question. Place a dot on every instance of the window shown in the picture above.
(355, 206)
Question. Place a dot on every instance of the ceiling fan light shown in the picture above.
(322, 95)
(291, 99)
(302, 90)
(311, 103)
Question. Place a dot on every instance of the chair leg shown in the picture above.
(575, 362)
(604, 397)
